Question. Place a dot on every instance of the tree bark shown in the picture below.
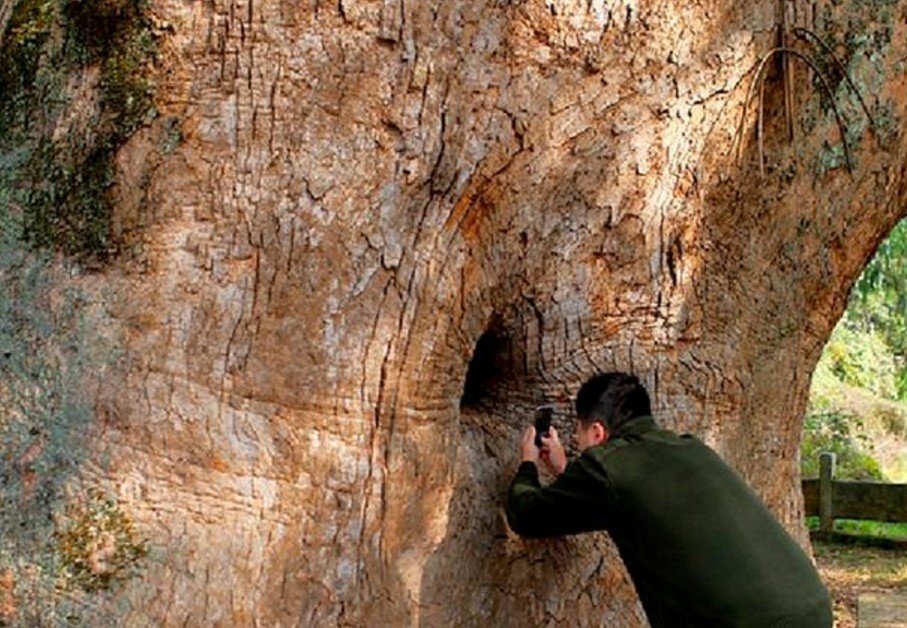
(355, 246)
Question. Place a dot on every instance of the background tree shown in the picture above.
(283, 282)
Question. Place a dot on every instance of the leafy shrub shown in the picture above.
(892, 419)
(827, 429)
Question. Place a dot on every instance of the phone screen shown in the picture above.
(542, 423)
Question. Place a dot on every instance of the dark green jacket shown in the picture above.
(699, 544)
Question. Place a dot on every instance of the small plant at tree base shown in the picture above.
(98, 545)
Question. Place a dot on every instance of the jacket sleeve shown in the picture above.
(577, 501)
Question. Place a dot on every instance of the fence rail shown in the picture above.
(832, 499)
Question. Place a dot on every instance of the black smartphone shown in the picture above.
(542, 423)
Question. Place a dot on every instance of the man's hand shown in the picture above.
(552, 454)
(528, 451)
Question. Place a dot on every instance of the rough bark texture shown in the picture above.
(260, 410)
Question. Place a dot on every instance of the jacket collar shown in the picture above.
(635, 427)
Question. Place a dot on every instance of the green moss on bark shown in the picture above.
(860, 34)
(61, 178)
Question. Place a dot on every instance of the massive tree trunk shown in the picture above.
(338, 251)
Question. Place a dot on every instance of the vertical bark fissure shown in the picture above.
(362, 581)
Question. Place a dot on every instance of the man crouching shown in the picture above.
(700, 546)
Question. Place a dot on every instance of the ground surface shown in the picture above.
(851, 571)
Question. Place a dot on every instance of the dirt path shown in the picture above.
(850, 571)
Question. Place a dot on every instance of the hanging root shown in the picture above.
(759, 78)
(787, 53)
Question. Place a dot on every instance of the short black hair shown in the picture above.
(611, 399)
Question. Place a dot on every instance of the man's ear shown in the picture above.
(599, 433)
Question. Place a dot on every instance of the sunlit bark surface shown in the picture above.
(337, 209)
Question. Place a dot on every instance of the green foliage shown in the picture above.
(892, 420)
(879, 299)
(862, 358)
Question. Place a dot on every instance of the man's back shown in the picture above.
(702, 548)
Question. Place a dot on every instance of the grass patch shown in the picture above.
(859, 527)
(872, 528)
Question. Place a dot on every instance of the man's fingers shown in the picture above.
(529, 437)
(528, 450)
(551, 438)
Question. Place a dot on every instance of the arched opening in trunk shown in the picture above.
(488, 369)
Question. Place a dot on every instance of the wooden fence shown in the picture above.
(832, 499)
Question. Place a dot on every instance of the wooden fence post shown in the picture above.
(826, 492)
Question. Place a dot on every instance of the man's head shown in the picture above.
(604, 403)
